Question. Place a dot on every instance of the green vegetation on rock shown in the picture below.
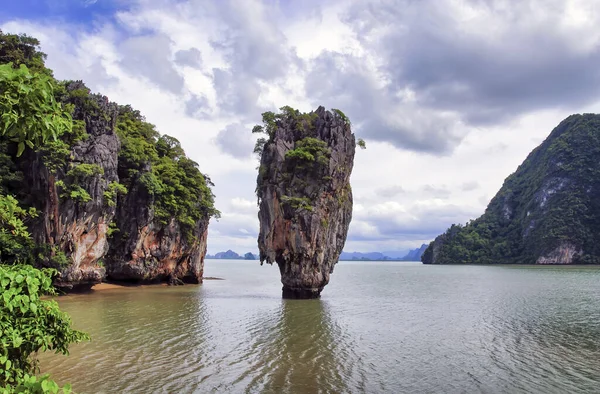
(548, 211)
(159, 164)
(29, 112)
(22, 49)
(309, 150)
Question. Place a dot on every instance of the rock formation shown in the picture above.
(146, 251)
(77, 227)
(98, 232)
(304, 194)
(100, 193)
(547, 212)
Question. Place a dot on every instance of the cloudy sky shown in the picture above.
(450, 95)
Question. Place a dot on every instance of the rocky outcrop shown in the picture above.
(547, 212)
(305, 197)
(146, 251)
(75, 227)
(565, 253)
(89, 235)
(71, 181)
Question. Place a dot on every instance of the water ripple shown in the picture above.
(390, 327)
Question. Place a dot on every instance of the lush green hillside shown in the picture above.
(59, 138)
(547, 212)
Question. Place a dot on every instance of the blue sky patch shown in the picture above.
(73, 11)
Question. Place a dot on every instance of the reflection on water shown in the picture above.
(380, 327)
(304, 352)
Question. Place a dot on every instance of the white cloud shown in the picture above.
(475, 85)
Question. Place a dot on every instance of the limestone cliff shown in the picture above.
(98, 188)
(76, 226)
(547, 212)
(304, 196)
(144, 250)
(107, 211)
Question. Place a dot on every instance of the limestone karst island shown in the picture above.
(413, 189)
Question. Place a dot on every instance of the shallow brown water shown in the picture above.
(380, 327)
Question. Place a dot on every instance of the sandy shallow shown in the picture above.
(111, 286)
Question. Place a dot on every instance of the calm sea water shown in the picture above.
(379, 328)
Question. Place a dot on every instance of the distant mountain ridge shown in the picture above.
(231, 255)
(411, 255)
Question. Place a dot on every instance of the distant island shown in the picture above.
(411, 255)
(231, 255)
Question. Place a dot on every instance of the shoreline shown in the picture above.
(115, 285)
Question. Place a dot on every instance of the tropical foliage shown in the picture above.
(44, 121)
(22, 49)
(159, 164)
(551, 200)
(29, 113)
(29, 324)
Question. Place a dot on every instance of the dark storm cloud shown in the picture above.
(189, 57)
(235, 140)
(486, 76)
(197, 106)
(343, 81)
(149, 56)
(255, 51)
(463, 68)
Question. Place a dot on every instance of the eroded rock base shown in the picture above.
(300, 294)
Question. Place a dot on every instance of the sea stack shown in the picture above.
(304, 195)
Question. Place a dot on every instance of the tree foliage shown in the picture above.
(29, 324)
(160, 165)
(29, 112)
(22, 49)
(15, 240)
(551, 200)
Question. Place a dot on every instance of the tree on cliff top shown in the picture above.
(301, 121)
(159, 163)
(29, 113)
(22, 49)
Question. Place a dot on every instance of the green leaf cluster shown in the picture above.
(15, 240)
(297, 203)
(29, 324)
(114, 189)
(29, 112)
(22, 49)
(70, 187)
(341, 115)
(309, 150)
(301, 122)
(159, 164)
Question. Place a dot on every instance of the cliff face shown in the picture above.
(547, 212)
(77, 227)
(305, 197)
(145, 251)
(99, 188)
(86, 229)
